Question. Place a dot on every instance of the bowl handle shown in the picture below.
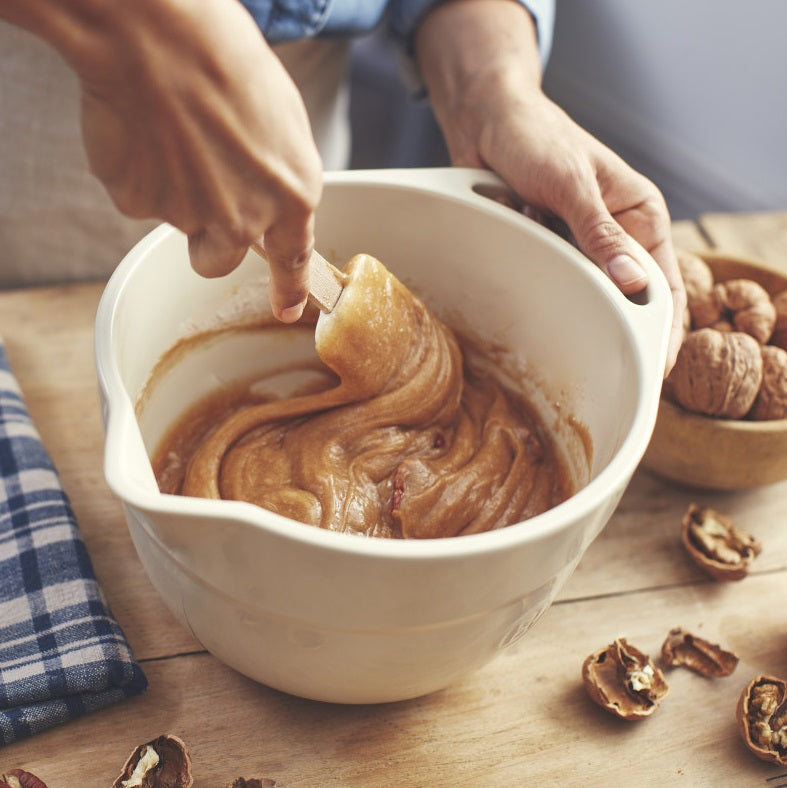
(650, 311)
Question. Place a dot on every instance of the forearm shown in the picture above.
(471, 53)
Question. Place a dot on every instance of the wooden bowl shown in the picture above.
(721, 454)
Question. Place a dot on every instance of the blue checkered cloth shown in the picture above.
(62, 653)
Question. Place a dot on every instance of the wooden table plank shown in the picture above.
(762, 236)
(642, 539)
(687, 234)
(523, 720)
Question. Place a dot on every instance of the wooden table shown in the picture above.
(523, 720)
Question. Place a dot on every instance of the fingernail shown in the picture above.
(625, 271)
(292, 313)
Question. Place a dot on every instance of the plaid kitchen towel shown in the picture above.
(62, 653)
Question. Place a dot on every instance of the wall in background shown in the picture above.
(693, 93)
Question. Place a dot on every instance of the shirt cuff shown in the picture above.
(405, 15)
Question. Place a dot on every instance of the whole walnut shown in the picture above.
(702, 301)
(779, 335)
(771, 402)
(748, 307)
(717, 373)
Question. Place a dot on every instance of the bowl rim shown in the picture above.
(649, 345)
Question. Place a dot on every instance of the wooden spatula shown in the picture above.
(326, 281)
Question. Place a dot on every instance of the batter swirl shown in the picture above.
(411, 443)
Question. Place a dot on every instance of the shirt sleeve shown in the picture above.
(406, 14)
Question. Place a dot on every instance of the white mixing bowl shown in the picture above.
(344, 618)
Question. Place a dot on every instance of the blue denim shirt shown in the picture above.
(289, 20)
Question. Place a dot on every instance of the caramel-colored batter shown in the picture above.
(412, 442)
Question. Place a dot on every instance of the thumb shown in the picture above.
(608, 245)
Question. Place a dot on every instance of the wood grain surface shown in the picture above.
(523, 720)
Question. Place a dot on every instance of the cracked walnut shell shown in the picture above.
(623, 681)
(762, 718)
(163, 762)
(681, 648)
(18, 778)
(716, 545)
(717, 373)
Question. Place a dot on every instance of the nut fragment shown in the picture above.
(623, 680)
(716, 545)
(18, 778)
(708, 659)
(771, 401)
(717, 373)
(762, 718)
(254, 782)
(161, 763)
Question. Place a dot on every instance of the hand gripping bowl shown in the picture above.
(343, 618)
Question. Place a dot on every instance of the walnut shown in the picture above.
(748, 307)
(18, 778)
(717, 374)
(779, 335)
(707, 659)
(762, 718)
(161, 763)
(623, 681)
(702, 301)
(716, 545)
(771, 401)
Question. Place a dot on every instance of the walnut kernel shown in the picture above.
(716, 545)
(762, 718)
(681, 648)
(623, 681)
(254, 782)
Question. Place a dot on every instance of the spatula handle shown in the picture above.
(326, 282)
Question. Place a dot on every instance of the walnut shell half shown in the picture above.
(716, 545)
(19, 778)
(762, 718)
(163, 762)
(708, 659)
(717, 373)
(623, 681)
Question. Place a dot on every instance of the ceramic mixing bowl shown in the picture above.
(343, 618)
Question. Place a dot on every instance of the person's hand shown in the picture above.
(189, 117)
(487, 98)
